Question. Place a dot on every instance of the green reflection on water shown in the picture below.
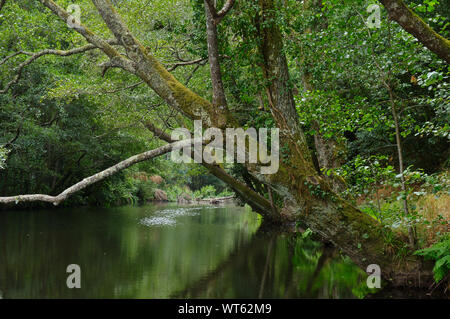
(165, 251)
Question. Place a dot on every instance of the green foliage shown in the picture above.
(120, 192)
(145, 191)
(312, 259)
(316, 190)
(173, 191)
(365, 174)
(341, 65)
(207, 191)
(334, 114)
(440, 252)
(307, 233)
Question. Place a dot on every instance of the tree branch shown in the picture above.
(414, 25)
(226, 8)
(91, 37)
(37, 55)
(211, 7)
(11, 141)
(131, 86)
(259, 203)
(176, 65)
(218, 16)
(55, 200)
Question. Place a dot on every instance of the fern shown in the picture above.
(441, 253)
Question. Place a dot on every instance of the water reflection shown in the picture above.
(162, 252)
(281, 266)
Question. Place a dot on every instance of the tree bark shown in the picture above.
(219, 100)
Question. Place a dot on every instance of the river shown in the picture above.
(166, 251)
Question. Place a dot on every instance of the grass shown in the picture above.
(432, 215)
(435, 209)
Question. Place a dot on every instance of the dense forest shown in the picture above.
(90, 92)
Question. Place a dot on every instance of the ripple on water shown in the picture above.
(167, 217)
(158, 221)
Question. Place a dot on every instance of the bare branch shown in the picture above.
(197, 61)
(218, 16)
(132, 86)
(226, 8)
(189, 77)
(11, 141)
(112, 63)
(37, 55)
(55, 200)
(115, 129)
(11, 56)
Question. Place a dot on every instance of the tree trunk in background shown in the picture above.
(411, 229)
(219, 100)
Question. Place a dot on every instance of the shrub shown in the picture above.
(173, 191)
(205, 192)
(145, 190)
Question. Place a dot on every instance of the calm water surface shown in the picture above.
(165, 251)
